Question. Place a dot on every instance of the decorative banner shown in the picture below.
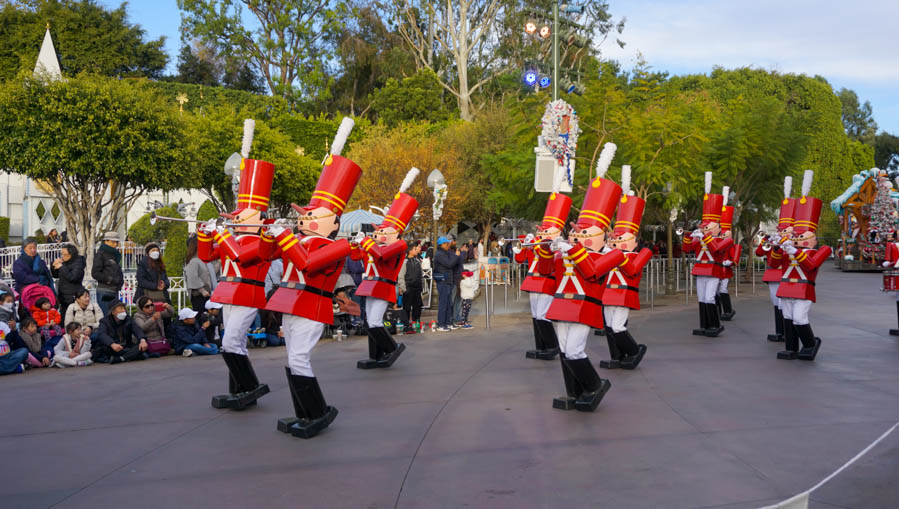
(560, 133)
(440, 192)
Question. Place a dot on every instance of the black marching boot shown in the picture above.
(791, 343)
(242, 379)
(374, 352)
(715, 326)
(778, 326)
(550, 341)
(810, 343)
(594, 386)
(391, 348)
(703, 320)
(895, 332)
(573, 388)
(614, 353)
(718, 304)
(633, 353)
(313, 414)
(285, 423)
(727, 307)
(538, 340)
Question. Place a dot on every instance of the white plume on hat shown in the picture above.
(410, 177)
(708, 182)
(726, 192)
(249, 125)
(343, 132)
(807, 181)
(605, 159)
(788, 186)
(626, 179)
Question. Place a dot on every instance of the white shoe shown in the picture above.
(187, 352)
(443, 329)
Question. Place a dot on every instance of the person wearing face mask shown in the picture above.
(69, 269)
(152, 279)
(8, 310)
(119, 340)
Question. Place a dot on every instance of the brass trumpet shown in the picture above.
(764, 239)
(219, 221)
(515, 242)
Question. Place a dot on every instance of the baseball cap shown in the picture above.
(442, 240)
(213, 305)
(186, 313)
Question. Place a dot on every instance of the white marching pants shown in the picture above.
(796, 310)
(374, 311)
(572, 339)
(722, 285)
(706, 289)
(616, 317)
(540, 305)
(301, 335)
(236, 320)
(772, 291)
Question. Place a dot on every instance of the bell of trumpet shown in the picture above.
(503, 241)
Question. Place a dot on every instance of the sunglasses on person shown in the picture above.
(147, 306)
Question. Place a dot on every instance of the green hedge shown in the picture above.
(174, 234)
(4, 229)
(207, 211)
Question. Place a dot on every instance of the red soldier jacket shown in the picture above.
(382, 266)
(710, 255)
(312, 266)
(245, 261)
(774, 263)
(537, 281)
(581, 275)
(733, 254)
(892, 255)
(623, 282)
(800, 272)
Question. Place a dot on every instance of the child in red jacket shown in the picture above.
(47, 318)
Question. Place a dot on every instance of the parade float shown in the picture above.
(868, 216)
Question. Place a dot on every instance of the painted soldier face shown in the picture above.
(249, 216)
(806, 240)
(625, 242)
(548, 233)
(386, 235)
(711, 228)
(726, 234)
(593, 238)
(318, 221)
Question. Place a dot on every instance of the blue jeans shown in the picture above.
(105, 299)
(444, 304)
(11, 361)
(274, 340)
(457, 304)
(202, 350)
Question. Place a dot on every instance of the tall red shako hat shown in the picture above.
(727, 211)
(630, 210)
(602, 194)
(808, 209)
(404, 205)
(338, 178)
(787, 206)
(256, 177)
(711, 203)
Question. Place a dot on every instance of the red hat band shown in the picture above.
(808, 211)
(786, 218)
(711, 208)
(255, 189)
(335, 185)
(401, 212)
(630, 214)
(599, 204)
(727, 217)
(557, 209)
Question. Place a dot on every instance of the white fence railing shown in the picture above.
(132, 254)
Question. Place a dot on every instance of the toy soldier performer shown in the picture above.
(797, 285)
(711, 252)
(581, 270)
(313, 261)
(622, 292)
(722, 298)
(892, 262)
(241, 288)
(384, 254)
(770, 248)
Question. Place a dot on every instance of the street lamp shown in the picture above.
(435, 182)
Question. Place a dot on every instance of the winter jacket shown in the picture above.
(8, 314)
(89, 317)
(214, 321)
(114, 331)
(71, 276)
(34, 343)
(196, 275)
(445, 263)
(153, 329)
(469, 288)
(107, 269)
(43, 317)
(66, 343)
(413, 273)
(147, 279)
(29, 270)
(187, 334)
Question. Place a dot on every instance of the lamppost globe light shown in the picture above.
(530, 27)
(545, 81)
(435, 178)
(545, 31)
(232, 164)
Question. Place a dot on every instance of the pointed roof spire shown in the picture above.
(47, 65)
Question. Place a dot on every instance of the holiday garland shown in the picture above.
(562, 145)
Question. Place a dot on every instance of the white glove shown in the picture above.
(886, 264)
(697, 234)
(529, 239)
(275, 230)
(208, 227)
(727, 263)
(787, 244)
(360, 236)
(560, 245)
(220, 229)
(790, 249)
(516, 249)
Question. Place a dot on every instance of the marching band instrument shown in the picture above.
(515, 242)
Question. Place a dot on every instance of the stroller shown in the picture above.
(31, 294)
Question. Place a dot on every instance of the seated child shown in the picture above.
(73, 349)
(8, 310)
(11, 360)
(40, 352)
(48, 319)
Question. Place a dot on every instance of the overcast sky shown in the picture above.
(852, 44)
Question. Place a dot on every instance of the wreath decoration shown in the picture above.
(562, 145)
